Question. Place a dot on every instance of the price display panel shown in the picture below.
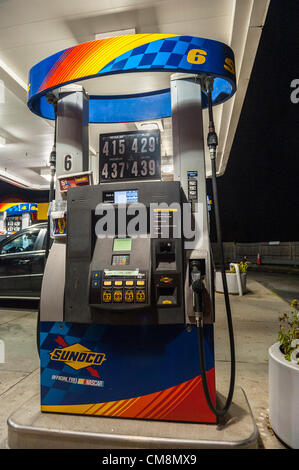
(130, 156)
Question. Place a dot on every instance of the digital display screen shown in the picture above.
(121, 273)
(120, 260)
(121, 197)
(125, 197)
(122, 244)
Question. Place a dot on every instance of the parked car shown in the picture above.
(22, 260)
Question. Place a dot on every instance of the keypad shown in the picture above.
(124, 291)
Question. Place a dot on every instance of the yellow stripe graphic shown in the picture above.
(103, 55)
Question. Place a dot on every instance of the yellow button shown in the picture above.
(129, 283)
(118, 283)
(166, 301)
(140, 283)
(118, 296)
(140, 296)
(106, 296)
(107, 283)
(129, 296)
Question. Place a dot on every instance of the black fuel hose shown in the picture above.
(212, 143)
(53, 101)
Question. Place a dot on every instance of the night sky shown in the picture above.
(259, 192)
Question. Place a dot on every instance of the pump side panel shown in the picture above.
(125, 371)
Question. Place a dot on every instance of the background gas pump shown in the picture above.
(17, 216)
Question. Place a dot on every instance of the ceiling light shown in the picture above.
(149, 125)
(13, 75)
(47, 177)
(112, 34)
(46, 174)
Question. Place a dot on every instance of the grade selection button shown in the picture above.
(129, 283)
(129, 296)
(140, 296)
(140, 283)
(117, 296)
(107, 283)
(106, 296)
(118, 283)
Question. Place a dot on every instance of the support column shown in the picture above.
(72, 156)
(190, 170)
(72, 149)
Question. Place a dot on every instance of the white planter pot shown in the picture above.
(284, 397)
(232, 282)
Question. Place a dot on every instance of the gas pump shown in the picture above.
(127, 305)
(17, 216)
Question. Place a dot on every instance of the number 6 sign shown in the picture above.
(68, 162)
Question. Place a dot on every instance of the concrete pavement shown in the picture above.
(255, 318)
(284, 284)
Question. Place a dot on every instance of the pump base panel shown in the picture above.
(149, 373)
(28, 428)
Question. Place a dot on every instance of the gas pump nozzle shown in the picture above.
(198, 289)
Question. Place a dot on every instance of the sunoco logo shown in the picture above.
(77, 356)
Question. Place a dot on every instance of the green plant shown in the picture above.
(289, 331)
